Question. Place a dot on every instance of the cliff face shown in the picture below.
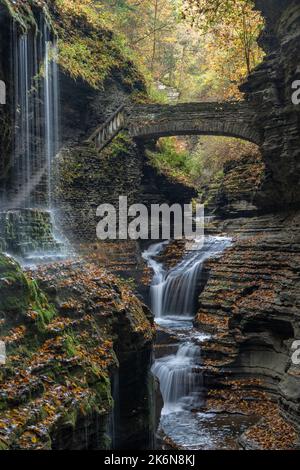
(235, 192)
(78, 342)
(269, 88)
(5, 121)
(250, 304)
(85, 179)
(65, 347)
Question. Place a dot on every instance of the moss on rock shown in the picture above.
(20, 296)
(117, 171)
(24, 14)
(15, 289)
(61, 342)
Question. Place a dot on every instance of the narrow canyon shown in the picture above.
(166, 344)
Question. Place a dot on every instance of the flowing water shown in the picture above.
(173, 298)
(180, 378)
(36, 117)
(173, 292)
(35, 113)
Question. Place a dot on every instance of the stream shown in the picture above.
(177, 367)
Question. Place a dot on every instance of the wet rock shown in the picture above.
(28, 233)
(233, 194)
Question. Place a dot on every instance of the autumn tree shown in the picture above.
(231, 28)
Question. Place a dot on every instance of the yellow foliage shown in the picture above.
(231, 51)
(87, 47)
(93, 13)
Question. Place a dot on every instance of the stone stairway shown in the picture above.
(104, 134)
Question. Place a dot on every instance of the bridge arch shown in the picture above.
(225, 119)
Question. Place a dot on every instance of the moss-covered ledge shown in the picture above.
(25, 14)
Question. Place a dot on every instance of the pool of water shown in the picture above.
(204, 431)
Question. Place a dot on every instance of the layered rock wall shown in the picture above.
(27, 232)
(86, 179)
(234, 193)
(251, 306)
(269, 89)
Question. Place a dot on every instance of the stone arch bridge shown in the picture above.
(148, 122)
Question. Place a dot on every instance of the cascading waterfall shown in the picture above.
(51, 107)
(156, 288)
(180, 378)
(173, 296)
(27, 228)
(173, 292)
(36, 117)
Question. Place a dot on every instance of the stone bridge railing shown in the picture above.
(104, 134)
(148, 122)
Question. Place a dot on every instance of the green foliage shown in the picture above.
(22, 13)
(3, 445)
(128, 282)
(209, 155)
(88, 47)
(203, 48)
(200, 161)
(230, 30)
(121, 145)
(155, 95)
(70, 343)
(88, 58)
(211, 13)
(19, 294)
(171, 160)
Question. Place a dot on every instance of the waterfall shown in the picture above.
(173, 292)
(51, 108)
(36, 117)
(27, 226)
(173, 298)
(156, 289)
(180, 378)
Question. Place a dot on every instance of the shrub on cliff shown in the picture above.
(88, 47)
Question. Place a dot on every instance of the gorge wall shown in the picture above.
(251, 301)
(5, 141)
(269, 88)
(250, 305)
(235, 192)
(78, 341)
(73, 331)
